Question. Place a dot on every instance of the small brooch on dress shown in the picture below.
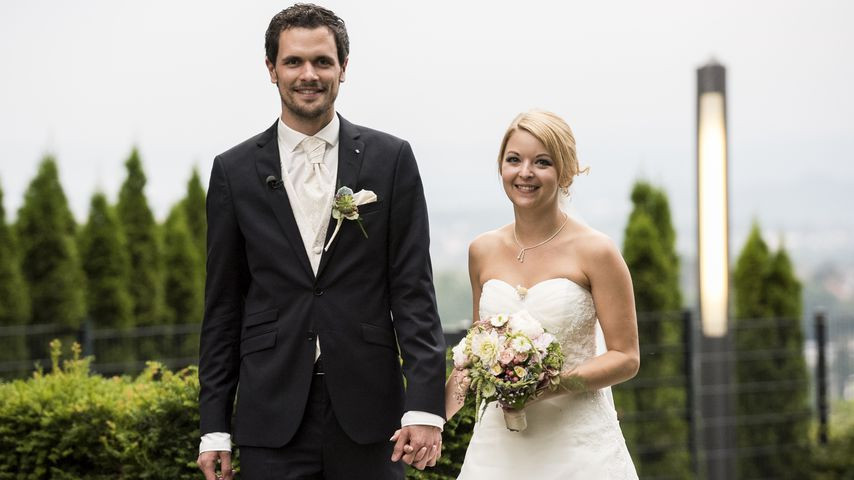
(521, 291)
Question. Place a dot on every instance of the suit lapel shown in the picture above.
(351, 150)
(268, 163)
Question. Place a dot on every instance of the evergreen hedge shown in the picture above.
(72, 424)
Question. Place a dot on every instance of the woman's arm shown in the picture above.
(457, 383)
(613, 297)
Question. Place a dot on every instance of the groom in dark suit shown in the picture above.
(307, 316)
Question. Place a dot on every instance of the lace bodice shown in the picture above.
(564, 308)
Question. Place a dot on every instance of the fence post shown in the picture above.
(821, 374)
(690, 386)
(87, 337)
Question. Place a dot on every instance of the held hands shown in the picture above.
(418, 445)
(207, 464)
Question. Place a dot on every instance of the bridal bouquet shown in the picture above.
(509, 359)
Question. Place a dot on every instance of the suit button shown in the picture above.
(310, 337)
(318, 292)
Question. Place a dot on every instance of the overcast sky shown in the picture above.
(185, 80)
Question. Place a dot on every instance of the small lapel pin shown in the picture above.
(357, 151)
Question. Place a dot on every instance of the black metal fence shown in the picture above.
(659, 412)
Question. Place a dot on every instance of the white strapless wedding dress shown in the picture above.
(573, 436)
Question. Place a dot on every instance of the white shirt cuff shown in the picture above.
(215, 442)
(414, 417)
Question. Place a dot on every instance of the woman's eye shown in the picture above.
(545, 162)
(512, 159)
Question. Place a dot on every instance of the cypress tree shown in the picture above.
(106, 264)
(194, 210)
(772, 428)
(140, 230)
(182, 283)
(14, 302)
(658, 430)
(49, 258)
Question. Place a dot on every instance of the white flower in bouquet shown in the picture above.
(461, 359)
(523, 322)
(486, 347)
(521, 344)
(542, 342)
(498, 320)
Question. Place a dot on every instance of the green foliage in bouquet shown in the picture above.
(70, 424)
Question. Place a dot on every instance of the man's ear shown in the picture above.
(272, 69)
(343, 70)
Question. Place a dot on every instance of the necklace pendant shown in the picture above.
(521, 256)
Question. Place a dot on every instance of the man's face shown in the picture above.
(307, 73)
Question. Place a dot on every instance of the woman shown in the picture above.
(567, 275)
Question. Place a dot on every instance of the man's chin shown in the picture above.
(308, 113)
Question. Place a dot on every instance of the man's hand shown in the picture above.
(418, 445)
(207, 464)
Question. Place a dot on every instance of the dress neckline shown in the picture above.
(541, 282)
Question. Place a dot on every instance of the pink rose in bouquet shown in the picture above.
(508, 359)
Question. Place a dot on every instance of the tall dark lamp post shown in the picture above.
(715, 399)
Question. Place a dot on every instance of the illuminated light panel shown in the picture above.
(712, 214)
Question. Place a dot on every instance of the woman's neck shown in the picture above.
(534, 226)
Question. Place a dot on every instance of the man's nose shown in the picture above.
(308, 72)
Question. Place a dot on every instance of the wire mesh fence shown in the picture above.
(773, 388)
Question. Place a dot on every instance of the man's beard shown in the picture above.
(308, 113)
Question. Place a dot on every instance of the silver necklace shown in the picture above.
(522, 250)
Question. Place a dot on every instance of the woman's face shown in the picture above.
(528, 172)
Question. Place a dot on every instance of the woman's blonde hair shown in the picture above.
(554, 133)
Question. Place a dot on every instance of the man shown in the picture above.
(305, 312)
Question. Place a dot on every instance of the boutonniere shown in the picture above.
(346, 206)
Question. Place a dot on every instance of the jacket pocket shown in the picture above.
(371, 207)
(257, 343)
(379, 336)
(261, 317)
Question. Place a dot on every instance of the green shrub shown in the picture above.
(455, 441)
(69, 424)
(72, 424)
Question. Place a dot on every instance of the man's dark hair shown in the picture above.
(306, 15)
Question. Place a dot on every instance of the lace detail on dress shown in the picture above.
(564, 308)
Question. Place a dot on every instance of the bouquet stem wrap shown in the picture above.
(515, 420)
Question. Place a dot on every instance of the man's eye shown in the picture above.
(325, 62)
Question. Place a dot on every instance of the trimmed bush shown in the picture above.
(73, 424)
(70, 424)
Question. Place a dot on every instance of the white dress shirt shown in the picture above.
(295, 170)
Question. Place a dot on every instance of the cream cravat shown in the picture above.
(314, 189)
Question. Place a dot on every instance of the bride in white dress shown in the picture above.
(567, 275)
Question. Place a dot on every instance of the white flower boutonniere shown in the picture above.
(346, 205)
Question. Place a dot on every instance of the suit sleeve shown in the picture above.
(225, 287)
(413, 300)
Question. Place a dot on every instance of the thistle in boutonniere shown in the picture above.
(346, 206)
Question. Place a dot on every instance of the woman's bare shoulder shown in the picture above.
(487, 241)
(593, 244)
